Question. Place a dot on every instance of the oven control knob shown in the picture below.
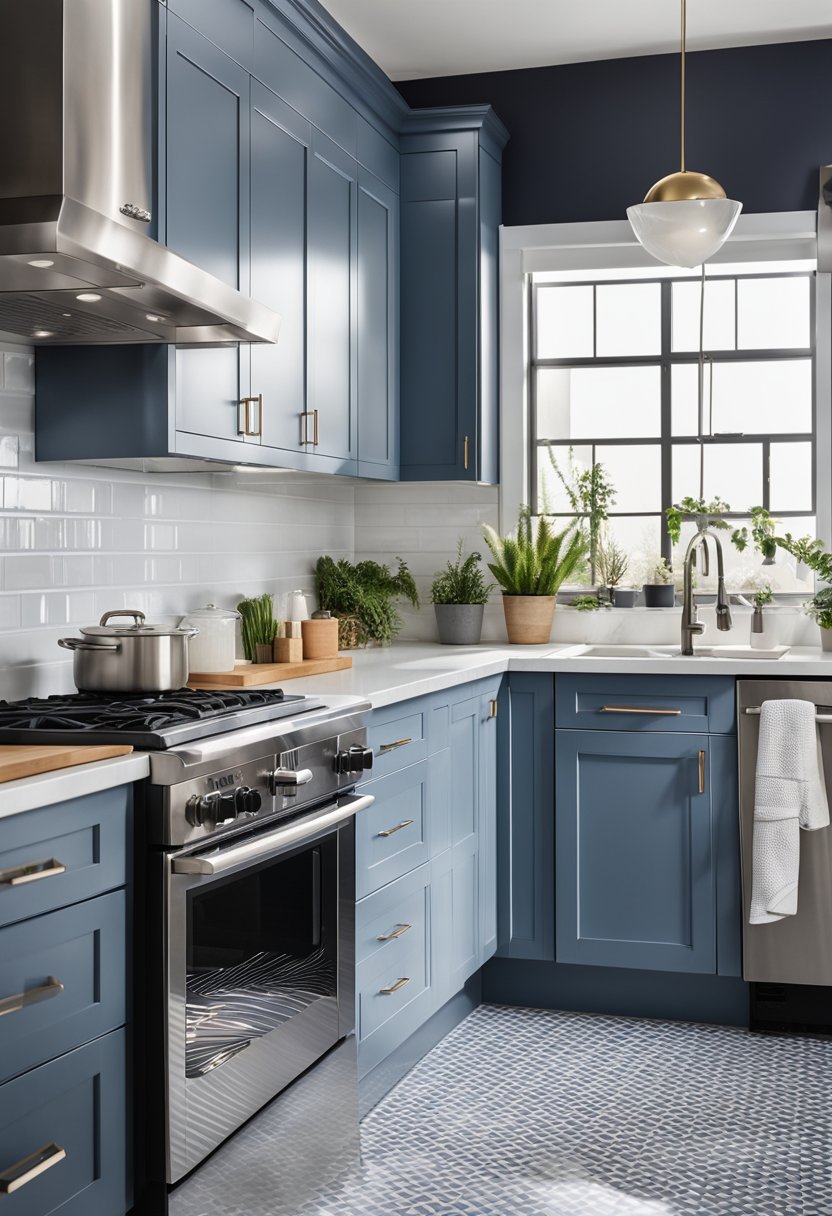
(246, 801)
(356, 760)
(209, 810)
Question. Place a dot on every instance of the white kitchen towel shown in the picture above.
(789, 794)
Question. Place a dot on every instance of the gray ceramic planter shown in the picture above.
(623, 597)
(459, 624)
(659, 595)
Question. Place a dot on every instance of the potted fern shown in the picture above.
(531, 566)
(459, 594)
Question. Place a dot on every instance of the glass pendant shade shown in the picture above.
(685, 232)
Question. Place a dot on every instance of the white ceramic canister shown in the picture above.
(297, 608)
(215, 646)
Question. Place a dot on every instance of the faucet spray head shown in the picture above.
(724, 620)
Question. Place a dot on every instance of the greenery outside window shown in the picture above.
(614, 379)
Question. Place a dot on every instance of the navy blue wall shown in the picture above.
(588, 139)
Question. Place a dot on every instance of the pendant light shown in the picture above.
(685, 218)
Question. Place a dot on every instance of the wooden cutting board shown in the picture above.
(247, 675)
(18, 761)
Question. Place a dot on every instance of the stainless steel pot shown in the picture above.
(129, 658)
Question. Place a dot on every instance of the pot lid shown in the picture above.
(139, 628)
(211, 613)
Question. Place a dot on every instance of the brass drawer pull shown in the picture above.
(405, 823)
(492, 710)
(304, 428)
(394, 987)
(391, 747)
(399, 931)
(44, 992)
(465, 452)
(34, 871)
(26, 1170)
(637, 709)
(314, 428)
(247, 428)
(701, 771)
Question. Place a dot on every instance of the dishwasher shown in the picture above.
(788, 962)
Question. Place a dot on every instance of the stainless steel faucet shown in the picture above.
(691, 625)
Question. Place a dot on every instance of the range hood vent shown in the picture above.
(77, 156)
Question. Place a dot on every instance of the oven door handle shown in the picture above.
(220, 861)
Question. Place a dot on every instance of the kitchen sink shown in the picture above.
(674, 652)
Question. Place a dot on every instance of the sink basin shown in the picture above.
(625, 652)
(674, 652)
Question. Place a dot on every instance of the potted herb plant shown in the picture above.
(660, 590)
(459, 594)
(363, 596)
(531, 566)
(591, 493)
(258, 628)
(762, 597)
(612, 566)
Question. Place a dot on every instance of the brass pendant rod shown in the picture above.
(684, 40)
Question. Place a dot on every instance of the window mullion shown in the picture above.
(666, 415)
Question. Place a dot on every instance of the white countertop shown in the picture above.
(389, 674)
(63, 783)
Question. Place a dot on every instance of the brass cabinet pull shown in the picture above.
(465, 453)
(44, 992)
(637, 709)
(247, 428)
(405, 823)
(391, 747)
(24, 1171)
(399, 931)
(492, 712)
(34, 871)
(400, 983)
(304, 432)
(701, 771)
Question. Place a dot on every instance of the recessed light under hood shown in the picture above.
(76, 186)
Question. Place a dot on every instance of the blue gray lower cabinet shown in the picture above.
(526, 820)
(63, 995)
(72, 1113)
(426, 854)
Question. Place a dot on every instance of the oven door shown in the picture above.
(259, 971)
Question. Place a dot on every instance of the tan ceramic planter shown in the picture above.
(529, 618)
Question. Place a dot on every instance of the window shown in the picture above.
(614, 375)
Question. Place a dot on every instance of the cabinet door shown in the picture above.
(206, 175)
(463, 929)
(332, 430)
(207, 155)
(526, 828)
(377, 337)
(280, 142)
(487, 822)
(634, 857)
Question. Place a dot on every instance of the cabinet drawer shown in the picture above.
(62, 981)
(384, 991)
(398, 739)
(63, 853)
(674, 704)
(392, 836)
(388, 921)
(70, 1113)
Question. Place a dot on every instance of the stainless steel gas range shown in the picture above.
(245, 892)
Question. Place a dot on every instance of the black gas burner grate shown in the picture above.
(154, 720)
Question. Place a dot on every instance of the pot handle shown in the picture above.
(138, 617)
(80, 644)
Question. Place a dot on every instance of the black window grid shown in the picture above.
(665, 361)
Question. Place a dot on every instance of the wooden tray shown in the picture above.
(18, 761)
(247, 675)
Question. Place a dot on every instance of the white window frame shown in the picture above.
(776, 236)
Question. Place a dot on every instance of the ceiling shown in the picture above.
(418, 38)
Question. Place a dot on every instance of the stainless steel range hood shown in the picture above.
(77, 157)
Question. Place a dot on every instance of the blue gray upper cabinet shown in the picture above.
(279, 170)
(450, 217)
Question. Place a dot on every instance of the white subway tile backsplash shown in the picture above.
(9, 451)
(19, 372)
